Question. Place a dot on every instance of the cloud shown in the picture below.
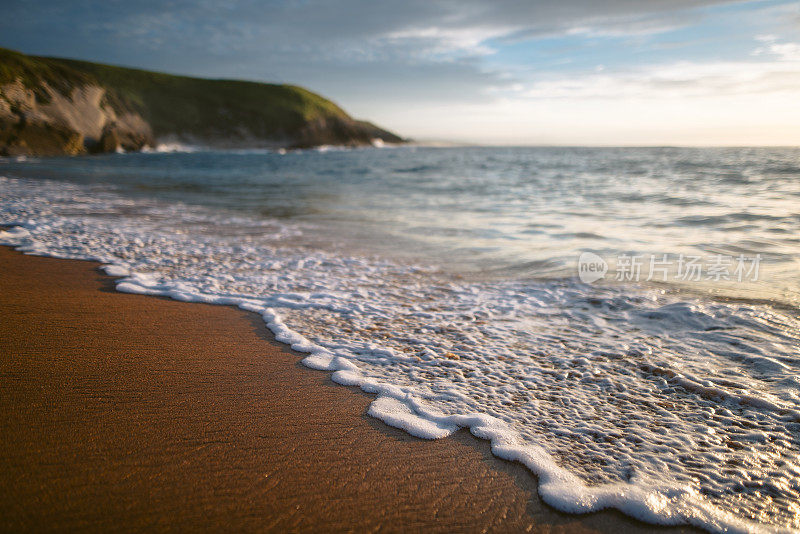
(679, 80)
(349, 30)
(783, 50)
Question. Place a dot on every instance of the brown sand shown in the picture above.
(125, 412)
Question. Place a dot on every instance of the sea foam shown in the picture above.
(674, 411)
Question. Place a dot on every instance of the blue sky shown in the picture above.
(624, 72)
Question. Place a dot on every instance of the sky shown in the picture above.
(555, 72)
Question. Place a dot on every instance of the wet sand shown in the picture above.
(126, 412)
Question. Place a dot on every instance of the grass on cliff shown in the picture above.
(179, 104)
(32, 71)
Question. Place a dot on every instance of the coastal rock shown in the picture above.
(129, 136)
(109, 142)
(24, 138)
(341, 131)
(41, 121)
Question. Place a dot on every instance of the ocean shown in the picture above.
(623, 321)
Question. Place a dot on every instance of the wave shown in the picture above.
(613, 396)
(172, 148)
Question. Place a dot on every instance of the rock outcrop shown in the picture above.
(44, 122)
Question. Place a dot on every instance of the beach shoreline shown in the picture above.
(124, 412)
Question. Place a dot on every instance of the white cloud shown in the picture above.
(682, 79)
(784, 51)
(436, 42)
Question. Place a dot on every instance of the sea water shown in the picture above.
(449, 282)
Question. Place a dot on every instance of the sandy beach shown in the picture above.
(126, 412)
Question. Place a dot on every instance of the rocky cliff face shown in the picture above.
(43, 121)
(52, 106)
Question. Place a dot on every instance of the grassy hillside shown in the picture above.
(201, 109)
(209, 108)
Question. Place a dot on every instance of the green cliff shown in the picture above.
(51, 106)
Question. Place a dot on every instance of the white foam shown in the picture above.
(171, 148)
(13, 235)
(395, 413)
(614, 397)
(115, 270)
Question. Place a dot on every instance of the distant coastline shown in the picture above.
(52, 106)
